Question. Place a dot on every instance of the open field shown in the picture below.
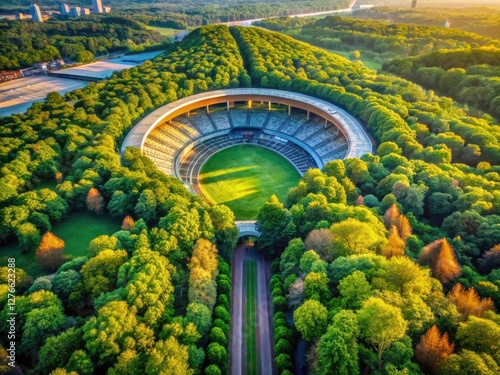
(366, 62)
(244, 177)
(77, 230)
(18, 95)
(250, 317)
(105, 68)
(164, 31)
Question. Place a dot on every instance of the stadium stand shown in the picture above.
(181, 146)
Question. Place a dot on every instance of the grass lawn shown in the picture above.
(164, 31)
(251, 317)
(374, 65)
(77, 230)
(243, 177)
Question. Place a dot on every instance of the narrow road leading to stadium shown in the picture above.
(263, 327)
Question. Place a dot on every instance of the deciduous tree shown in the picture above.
(168, 357)
(380, 324)
(311, 319)
(338, 347)
(321, 241)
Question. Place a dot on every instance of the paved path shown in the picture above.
(264, 326)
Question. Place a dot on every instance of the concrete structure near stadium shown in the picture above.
(358, 140)
(308, 131)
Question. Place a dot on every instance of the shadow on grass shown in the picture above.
(226, 176)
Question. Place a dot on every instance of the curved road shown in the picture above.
(264, 328)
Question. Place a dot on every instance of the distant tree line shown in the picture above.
(480, 20)
(23, 43)
(378, 40)
(469, 76)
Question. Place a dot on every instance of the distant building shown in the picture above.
(447, 24)
(84, 11)
(35, 13)
(107, 9)
(7, 75)
(74, 11)
(414, 3)
(97, 6)
(64, 9)
(20, 16)
(26, 72)
(42, 65)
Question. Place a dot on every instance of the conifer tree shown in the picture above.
(440, 256)
(395, 245)
(95, 202)
(50, 252)
(391, 216)
(468, 301)
(128, 223)
(404, 227)
(432, 350)
(359, 201)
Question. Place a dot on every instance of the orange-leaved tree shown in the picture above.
(50, 252)
(468, 301)
(391, 216)
(394, 217)
(440, 256)
(404, 227)
(359, 201)
(395, 245)
(95, 203)
(432, 350)
(128, 223)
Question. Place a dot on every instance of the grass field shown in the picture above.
(251, 317)
(371, 64)
(77, 230)
(244, 177)
(164, 31)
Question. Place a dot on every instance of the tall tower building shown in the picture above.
(74, 11)
(97, 6)
(414, 3)
(35, 13)
(64, 9)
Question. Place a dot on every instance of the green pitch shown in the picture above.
(244, 177)
(77, 230)
(251, 317)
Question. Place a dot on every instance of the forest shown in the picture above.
(23, 43)
(386, 264)
(381, 272)
(479, 19)
(469, 76)
(376, 40)
(196, 13)
(172, 248)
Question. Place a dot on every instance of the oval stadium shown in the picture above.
(308, 132)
